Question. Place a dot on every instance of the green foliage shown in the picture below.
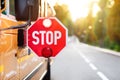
(100, 23)
(103, 30)
(63, 14)
(114, 22)
(102, 3)
(80, 26)
(99, 26)
(84, 28)
(111, 44)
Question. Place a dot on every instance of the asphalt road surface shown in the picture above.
(79, 61)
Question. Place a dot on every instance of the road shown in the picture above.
(79, 61)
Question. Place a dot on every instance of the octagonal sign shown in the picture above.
(45, 34)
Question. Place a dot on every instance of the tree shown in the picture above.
(63, 14)
(80, 28)
(100, 23)
(113, 22)
(90, 35)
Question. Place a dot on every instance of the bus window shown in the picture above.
(3, 5)
(12, 7)
(46, 10)
(50, 11)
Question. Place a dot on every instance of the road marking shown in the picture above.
(87, 60)
(82, 55)
(102, 76)
(93, 66)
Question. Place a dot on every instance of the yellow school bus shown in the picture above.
(17, 62)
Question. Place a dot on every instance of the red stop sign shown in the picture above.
(47, 34)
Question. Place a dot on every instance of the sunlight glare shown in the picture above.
(96, 9)
(80, 8)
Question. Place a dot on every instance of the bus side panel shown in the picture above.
(8, 49)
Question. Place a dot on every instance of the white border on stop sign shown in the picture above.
(47, 18)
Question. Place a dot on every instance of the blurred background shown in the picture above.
(95, 22)
(93, 47)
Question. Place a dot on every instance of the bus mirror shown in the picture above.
(26, 9)
(3, 5)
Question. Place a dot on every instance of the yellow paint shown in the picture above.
(1, 68)
(9, 42)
